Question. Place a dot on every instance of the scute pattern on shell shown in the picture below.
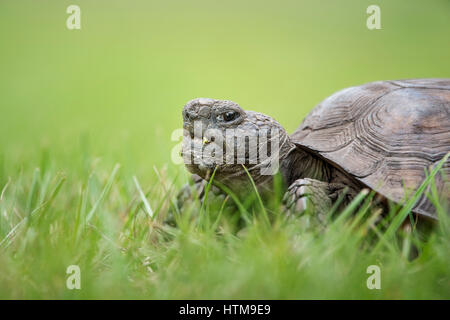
(384, 134)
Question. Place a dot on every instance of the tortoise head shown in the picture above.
(219, 135)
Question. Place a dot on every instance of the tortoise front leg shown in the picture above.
(195, 191)
(191, 191)
(310, 194)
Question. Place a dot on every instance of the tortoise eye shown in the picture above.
(228, 116)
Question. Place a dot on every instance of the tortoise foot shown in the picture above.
(309, 195)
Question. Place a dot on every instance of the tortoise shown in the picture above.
(380, 136)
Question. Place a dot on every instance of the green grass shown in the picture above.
(94, 111)
(103, 224)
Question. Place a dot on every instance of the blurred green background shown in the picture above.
(119, 83)
(79, 101)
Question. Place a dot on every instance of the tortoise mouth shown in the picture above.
(199, 155)
(204, 171)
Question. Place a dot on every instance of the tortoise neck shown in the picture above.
(300, 164)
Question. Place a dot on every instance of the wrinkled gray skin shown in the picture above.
(310, 181)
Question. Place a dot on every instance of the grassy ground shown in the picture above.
(76, 103)
(105, 225)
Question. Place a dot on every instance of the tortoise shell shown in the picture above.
(384, 134)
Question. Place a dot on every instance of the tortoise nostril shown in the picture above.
(190, 115)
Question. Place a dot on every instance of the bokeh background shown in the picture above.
(117, 86)
(73, 103)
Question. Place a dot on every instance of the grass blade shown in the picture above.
(404, 212)
(255, 189)
(104, 192)
(147, 207)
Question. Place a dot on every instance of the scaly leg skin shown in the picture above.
(310, 194)
(196, 191)
(191, 191)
